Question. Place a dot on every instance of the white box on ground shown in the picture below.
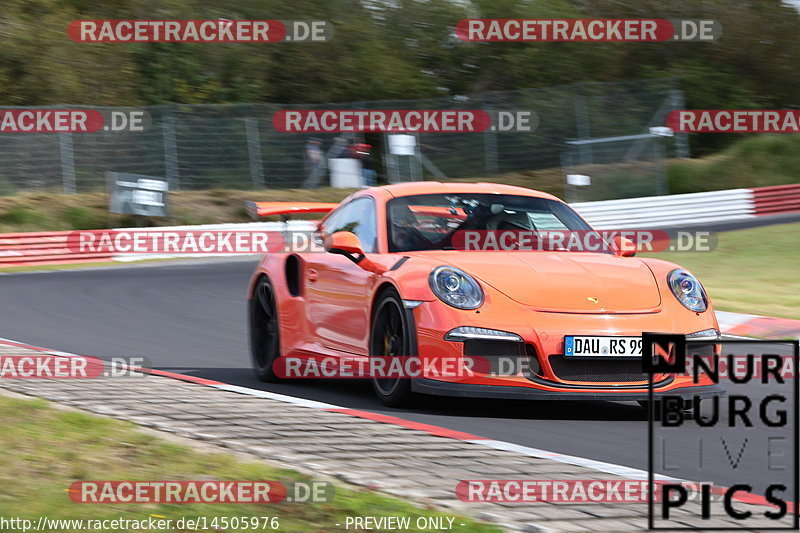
(662, 131)
(345, 173)
(402, 144)
(579, 180)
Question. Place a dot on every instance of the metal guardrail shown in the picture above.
(290, 225)
(669, 211)
(48, 248)
(777, 199)
(42, 248)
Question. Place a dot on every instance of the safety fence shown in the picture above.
(679, 210)
(237, 146)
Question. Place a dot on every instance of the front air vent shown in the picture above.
(600, 371)
(495, 357)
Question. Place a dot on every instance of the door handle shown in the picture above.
(312, 275)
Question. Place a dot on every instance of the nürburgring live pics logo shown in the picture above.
(741, 434)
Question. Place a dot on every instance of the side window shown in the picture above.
(330, 222)
(358, 217)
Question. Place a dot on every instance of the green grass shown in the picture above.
(46, 449)
(755, 161)
(752, 271)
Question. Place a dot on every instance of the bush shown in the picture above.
(756, 161)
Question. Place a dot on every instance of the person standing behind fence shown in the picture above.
(313, 161)
(363, 152)
(340, 148)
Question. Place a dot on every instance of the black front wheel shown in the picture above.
(264, 331)
(390, 337)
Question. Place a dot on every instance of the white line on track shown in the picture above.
(599, 466)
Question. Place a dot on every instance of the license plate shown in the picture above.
(586, 346)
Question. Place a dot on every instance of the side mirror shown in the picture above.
(344, 243)
(347, 244)
(624, 246)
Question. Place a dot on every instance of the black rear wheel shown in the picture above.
(264, 331)
(390, 337)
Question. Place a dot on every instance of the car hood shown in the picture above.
(563, 281)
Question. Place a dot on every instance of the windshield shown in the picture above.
(430, 221)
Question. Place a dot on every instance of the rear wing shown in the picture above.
(265, 209)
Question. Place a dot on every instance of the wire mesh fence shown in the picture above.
(236, 146)
(614, 167)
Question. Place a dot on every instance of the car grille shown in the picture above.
(606, 371)
(495, 357)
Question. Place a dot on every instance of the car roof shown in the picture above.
(387, 192)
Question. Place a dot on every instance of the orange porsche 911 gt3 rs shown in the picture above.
(394, 279)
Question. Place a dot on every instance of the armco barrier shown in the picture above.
(777, 199)
(50, 248)
(669, 211)
(290, 225)
(47, 248)
(41, 248)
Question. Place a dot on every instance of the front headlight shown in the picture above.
(455, 287)
(687, 290)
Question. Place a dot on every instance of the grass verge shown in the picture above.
(40, 211)
(752, 271)
(46, 449)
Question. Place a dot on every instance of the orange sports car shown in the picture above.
(395, 275)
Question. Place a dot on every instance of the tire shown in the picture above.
(264, 331)
(390, 336)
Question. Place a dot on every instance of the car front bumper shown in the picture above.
(470, 390)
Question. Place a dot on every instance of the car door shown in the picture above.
(337, 288)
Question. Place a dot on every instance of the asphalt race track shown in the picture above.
(191, 318)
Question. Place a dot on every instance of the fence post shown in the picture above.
(254, 152)
(416, 161)
(584, 132)
(67, 163)
(170, 153)
(681, 139)
(566, 169)
(659, 156)
(490, 148)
